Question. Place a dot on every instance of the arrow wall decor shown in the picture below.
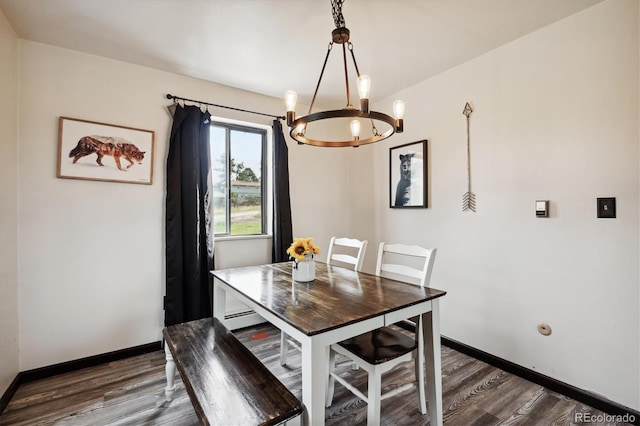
(469, 198)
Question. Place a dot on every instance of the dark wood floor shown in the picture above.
(131, 392)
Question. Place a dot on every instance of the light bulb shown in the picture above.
(355, 129)
(290, 99)
(364, 86)
(398, 109)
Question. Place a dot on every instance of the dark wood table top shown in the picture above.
(337, 297)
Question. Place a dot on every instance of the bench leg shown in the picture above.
(170, 371)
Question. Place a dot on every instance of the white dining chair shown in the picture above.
(341, 251)
(383, 349)
(347, 251)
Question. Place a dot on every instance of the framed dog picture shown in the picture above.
(408, 175)
(98, 151)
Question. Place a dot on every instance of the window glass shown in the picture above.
(220, 187)
(238, 161)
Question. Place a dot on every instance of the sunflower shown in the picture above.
(311, 247)
(302, 247)
(297, 249)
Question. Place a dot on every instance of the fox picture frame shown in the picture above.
(90, 150)
(408, 175)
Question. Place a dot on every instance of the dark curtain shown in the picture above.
(189, 239)
(282, 228)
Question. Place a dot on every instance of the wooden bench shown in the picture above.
(226, 383)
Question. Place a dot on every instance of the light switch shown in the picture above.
(542, 208)
(607, 208)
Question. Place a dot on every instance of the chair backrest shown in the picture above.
(400, 261)
(357, 247)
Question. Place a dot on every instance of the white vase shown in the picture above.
(304, 270)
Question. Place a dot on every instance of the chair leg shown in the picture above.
(419, 364)
(284, 348)
(170, 372)
(332, 382)
(373, 407)
(419, 359)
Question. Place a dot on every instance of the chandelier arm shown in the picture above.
(346, 75)
(353, 56)
(374, 129)
(324, 65)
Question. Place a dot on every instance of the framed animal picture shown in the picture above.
(408, 175)
(98, 151)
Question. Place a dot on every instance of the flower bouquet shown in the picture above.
(301, 252)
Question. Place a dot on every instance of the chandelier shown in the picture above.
(300, 126)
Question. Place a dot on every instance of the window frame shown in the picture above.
(265, 172)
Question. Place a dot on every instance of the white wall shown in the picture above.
(8, 204)
(556, 117)
(91, 256)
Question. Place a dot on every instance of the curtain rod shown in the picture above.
(176, 98)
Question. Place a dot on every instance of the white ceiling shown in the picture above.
(269, 46)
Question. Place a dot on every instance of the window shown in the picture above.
(238, 160)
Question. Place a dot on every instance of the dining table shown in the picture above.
(338, 304)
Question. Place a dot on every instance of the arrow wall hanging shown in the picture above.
(469, 198)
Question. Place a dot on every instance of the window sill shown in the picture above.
(243, 237)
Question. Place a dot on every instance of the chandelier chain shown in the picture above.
(336, 11)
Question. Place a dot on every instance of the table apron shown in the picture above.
(408, 312)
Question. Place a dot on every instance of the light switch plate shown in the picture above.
(542, 208)
(607, 208)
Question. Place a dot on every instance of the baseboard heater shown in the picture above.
(242, 319)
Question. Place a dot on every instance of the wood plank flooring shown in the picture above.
(131, 392)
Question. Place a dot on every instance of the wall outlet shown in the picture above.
(544, 329)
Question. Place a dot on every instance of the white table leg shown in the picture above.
(315, 359)
(170, 372)
(431, 333)
(219, 301)
(284, 348)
